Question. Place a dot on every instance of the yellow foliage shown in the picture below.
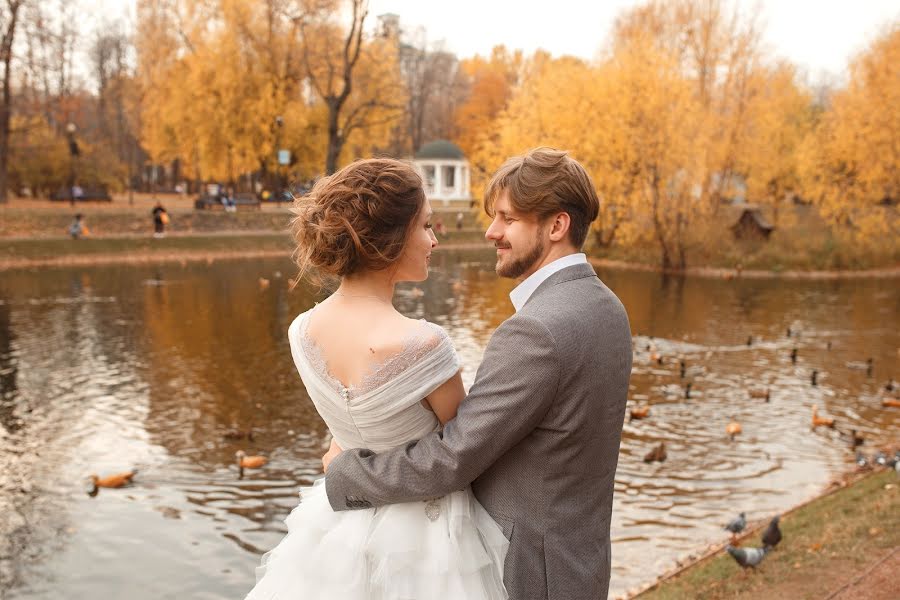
(852, 161)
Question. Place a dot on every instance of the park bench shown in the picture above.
(207, 201)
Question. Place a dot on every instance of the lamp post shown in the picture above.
(279, 126)
(71, 128)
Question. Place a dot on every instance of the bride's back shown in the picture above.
(356, 335)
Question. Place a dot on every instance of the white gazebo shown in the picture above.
(445, 171)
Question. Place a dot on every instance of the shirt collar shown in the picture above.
(522, 292)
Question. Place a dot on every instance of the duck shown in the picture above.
(733, 429)
(821, 421)
(641, 412)
(760, 393)
(657, 454)
(890, 403)
(238, 434)
(862, 366)
(113, 481)
(249, 462)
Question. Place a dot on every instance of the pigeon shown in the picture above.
(881, 459)
(772, 535)
(747, 557)
(861, 460)
(735, 526)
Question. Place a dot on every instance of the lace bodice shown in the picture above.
(383, 409)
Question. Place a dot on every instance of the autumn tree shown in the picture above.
(10, 12)
(356, 78)
(851, 163)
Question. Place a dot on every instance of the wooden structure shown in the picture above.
(750, 224)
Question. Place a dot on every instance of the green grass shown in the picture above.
(826, 543)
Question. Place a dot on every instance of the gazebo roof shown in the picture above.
(440, 149)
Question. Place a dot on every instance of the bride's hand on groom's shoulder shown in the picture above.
(333, 451)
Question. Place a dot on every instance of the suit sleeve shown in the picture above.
(513, 390)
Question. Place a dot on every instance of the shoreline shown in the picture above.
(701, 560)
(144, 255)
(726, 273)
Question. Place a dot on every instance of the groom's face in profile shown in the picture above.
(518, 237)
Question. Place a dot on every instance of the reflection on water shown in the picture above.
(110, 368)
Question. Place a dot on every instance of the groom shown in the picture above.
(538, 435)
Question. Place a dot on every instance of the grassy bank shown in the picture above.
(827, 543)
(27, 253)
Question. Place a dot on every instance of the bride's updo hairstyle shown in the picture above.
(356, 220)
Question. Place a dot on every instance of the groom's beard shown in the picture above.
(514, 267)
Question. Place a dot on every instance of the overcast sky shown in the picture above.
(818, 35)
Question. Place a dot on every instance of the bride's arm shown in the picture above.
(445, 400)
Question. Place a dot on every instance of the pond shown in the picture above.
(109, 368)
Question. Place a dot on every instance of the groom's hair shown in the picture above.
(545, 182)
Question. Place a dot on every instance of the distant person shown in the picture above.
(78, 228)
(459, 220)
(160, 220)
(439, 228)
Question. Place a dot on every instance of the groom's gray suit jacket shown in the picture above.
(537, 438)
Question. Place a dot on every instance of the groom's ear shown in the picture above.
(559, 226)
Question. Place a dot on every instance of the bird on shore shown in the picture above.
(747, 557)
(771, 537)
(687, 390)
(750, 341)
(889, 386)
(760, 393)
(861, 461)
(733, 429)
(818, 421)
(249, 462)
(814, 377)
(789, 332)
(736, 525)
(890, 403)
(794, 356)
(657, 454)
(113, 481)
(641, 412)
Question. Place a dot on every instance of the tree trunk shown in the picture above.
(335, 140)
(6, 100)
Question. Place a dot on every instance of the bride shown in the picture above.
(379, 380)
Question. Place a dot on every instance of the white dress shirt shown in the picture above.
(522, 292)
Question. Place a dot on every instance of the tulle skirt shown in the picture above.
(449, 548)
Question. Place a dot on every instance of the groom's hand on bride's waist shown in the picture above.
(333, 451)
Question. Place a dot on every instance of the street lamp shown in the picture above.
(279, 123)
(71, 128)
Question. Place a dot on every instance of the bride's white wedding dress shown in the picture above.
(447, 548)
